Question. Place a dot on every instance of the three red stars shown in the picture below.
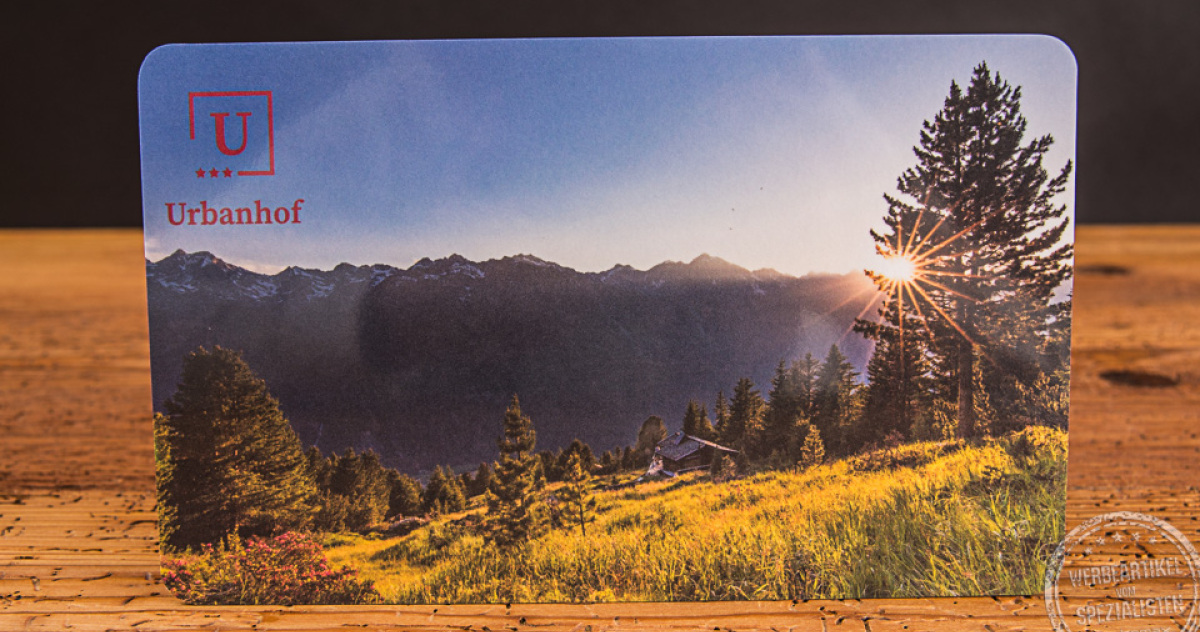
(214, 173)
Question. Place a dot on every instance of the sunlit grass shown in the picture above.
(949, 520)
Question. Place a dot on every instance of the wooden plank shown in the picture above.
(78, 544)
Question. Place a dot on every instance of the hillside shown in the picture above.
(925, 519)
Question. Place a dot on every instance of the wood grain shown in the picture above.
(78, 544)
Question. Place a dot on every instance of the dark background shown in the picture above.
(70, 76)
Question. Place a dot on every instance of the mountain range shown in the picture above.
(420, 363)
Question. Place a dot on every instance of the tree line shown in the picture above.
(355, 491)
(227, 461)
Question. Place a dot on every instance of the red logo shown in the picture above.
(245, 147)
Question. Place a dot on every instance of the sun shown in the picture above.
(899, 269)
(914, 272)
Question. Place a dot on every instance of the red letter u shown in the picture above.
(171, 214)
(219, 117)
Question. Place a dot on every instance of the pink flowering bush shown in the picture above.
(288, 569)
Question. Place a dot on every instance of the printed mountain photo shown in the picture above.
(577, 321)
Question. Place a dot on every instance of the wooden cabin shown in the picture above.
(680, 453)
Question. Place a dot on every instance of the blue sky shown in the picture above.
(768, 152)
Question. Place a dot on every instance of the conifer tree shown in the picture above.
(628, 458)
(482, 481)
(331, 510)
(515, 514)
(362, 481)
(433, 489)
(834, 403)
(803, 375)
(691, 418)
(745, 430)
(785, 409)
(812, 452)
(333, 513)
(578, 506)
(696, 422)
(985, 233)
(319, 468)
(454, 496)
(704, 427)
(608, 462)
(235, 464)
(547, 468)
(444, 493)
(587, 460)
(404, 498)
(721, 410)
(899, 390)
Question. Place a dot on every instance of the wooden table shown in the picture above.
(77, 524)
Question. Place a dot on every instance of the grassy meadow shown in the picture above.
(921, 519)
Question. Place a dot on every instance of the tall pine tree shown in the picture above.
(515, 513)
(978, 220)
(234, 464)
(745, 429)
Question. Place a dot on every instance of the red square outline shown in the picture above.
(192, 96)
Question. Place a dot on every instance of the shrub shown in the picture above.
(1037, 440)
(289, 569)
(1040, 451)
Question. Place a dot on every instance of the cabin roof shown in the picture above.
(680, 446)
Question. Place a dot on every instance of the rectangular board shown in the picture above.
(660, 319)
